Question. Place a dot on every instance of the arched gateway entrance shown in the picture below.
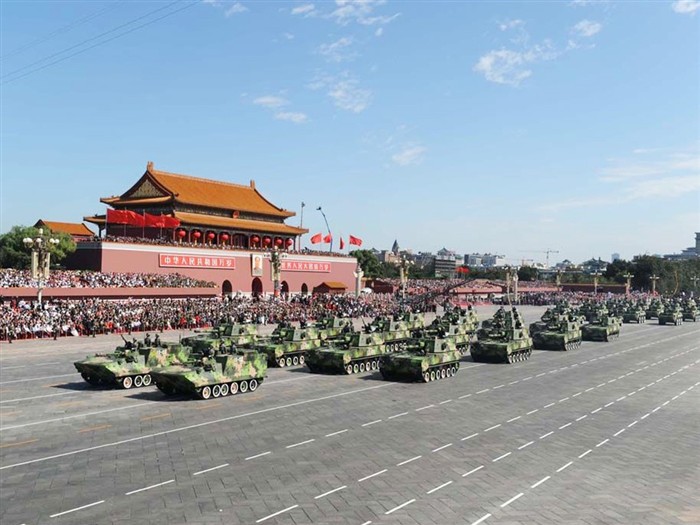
(226, 288)
(257, 287)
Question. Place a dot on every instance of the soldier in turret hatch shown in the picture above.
(156, 341)
(147, 340)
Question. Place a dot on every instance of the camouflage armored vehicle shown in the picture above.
(290, 345)
(604, 328)
(592, 310)
(634, 313)
(502, 339)
(395, 333)
(425, 359)
(672, 314)
(452, 326)
(655, 308)
(218, 376)
(556, 332)
(357, 352)
(222, 337)
(130, 365)
(690, 311)
(332, 327)
(414, 321)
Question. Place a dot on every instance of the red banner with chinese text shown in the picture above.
(172, 260)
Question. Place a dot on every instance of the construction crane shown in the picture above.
(542, 251)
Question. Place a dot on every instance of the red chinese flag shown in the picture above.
(154, 221)
(354, 240)
(328, 239)
(117, 217)
(316, 238)
(171, 222)
(342, 243)
(135, 219)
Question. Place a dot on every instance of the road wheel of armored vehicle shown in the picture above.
(243, 387)
(302, 359)
(375, 364)
(679, 322)
(205, 392)
(432, 375)
(443, 373)
(426, 377)
(147, 380)
(448, 372)
(454, 369)
(127, 383)
(348, 369)
(253, 385)
(295, 360)
(355, 368)
(224, 390)
(138, 381)
(362, 367)
(216, 391)
(282, 362)
(289, 361)
(233, 388)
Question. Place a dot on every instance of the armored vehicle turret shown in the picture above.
(502, 339)
(672, 314)
(332, 327)
(655, 308)
(220, 375)
(357, 352)
(605, 328)
(425, 359)
(460, 329)
(690, 311)
(222, 337)
(395, 333)
(414, 321)
(634, 313)
(130, 365)
(290, 345)
(556, 332)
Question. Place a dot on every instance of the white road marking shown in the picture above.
(464, 396)
(37, 378)
(469, 437)
(439, 487)
(442, 447)
(600, 385)
(656, 409)
(610, 404)
(372, 475)
(499, 386)
(564, 426)
(330, 492)
(33, 366)
(491, 428)
(408, 461)
(582, 417)
(372, 423)
(472, 471)
(532, 411)
(547, 406)
(400, 506)
(632, 423)
(150, 487)
(276, 514)
(620, 398)
(565, 399)
(366, 523)
(258, 455)
(38, 397)
(484, 390)
(423, 408)
(577, 394)
(511, 500)
(398, 415)
(514, 382)
(445, 401)
(77, 508)
(618, 432)
(210, 469)
(526, 378)
(547, 434)
(539, 375)
(645, 415)
(581, 456)
(513, 419)
(336, 433)
(300, 443)
(565, 466)
(665, 403)
(481, 519)
(499, 458)
(597, 410)
(540, 482)
(589, 389)
(525, 445)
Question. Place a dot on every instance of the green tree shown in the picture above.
(14, 254)
(527, 273)
(368, 262)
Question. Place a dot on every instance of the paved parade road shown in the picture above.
(604, 434)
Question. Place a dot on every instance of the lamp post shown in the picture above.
(276, 264)
(515, 287)
(358, 273)
(404, 264)
(301, 224)
(41, 247)
(596, 275)
(653, 279)
(558, 280)
(628, 286)
(509, 279)
(330, 248)
(695, 280)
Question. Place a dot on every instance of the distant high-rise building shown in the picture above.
(691, 252)
(445, 264)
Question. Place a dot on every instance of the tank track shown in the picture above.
(290, 359)
(358, 366)
(437, 372)
(611, 337)
(571, 345)
(229, 388)
(520, 355)
(125, 382)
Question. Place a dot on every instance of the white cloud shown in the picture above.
(586, 28)
(510, 24)
(304, 9)
(409, 155)
(270, 101)
(345, 92)
(291, 116)
(236, 9)
(337, 51)
(360, 11)
(686, 6)
(288, 36)
(379, 31)
(506, 66)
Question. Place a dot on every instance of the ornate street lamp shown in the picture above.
(276, 264)
(653, 279)
(41, 247)
(404, 264)
(358, 273)
(628, 286)
(595, 275)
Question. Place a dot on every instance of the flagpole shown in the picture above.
(330, 248)
(301, 225)
(143, 228)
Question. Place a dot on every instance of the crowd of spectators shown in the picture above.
(10, 278)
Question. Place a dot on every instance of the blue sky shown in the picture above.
(508, 127)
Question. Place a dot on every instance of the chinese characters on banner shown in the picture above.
(171, 260)
(305, 266)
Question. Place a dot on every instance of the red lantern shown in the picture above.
(181, 233)
(255, 239)
(278, 242)
(197, 235)
(211, 235)
(289, 242)
(266, 241)
(224, 236)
